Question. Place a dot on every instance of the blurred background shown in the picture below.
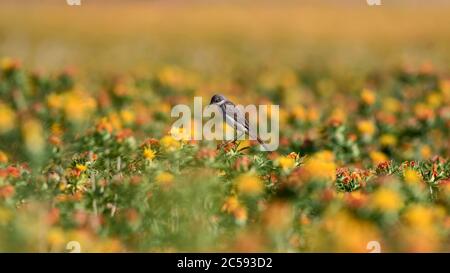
(216, 37)
(86, 152)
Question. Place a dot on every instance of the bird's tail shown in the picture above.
(253, 136)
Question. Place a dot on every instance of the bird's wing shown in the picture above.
(233, 114)
(235, 117)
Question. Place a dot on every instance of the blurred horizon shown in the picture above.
(107, 36)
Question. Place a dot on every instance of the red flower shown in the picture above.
(206, 153)
(131, 215)
(13, 171)
(242, 163)
(150, 142)
(135, 180)
(273, 155)
(327, 195)
(53, 216)
(123, 134)
(6, 191)
(355, 199)
(54, 140)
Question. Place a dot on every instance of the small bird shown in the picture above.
(235, 117)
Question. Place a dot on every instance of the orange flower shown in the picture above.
(368, 97)
(278, 216)
(3, 157)
(249, 184)
(231, 204)
(6, 191)
(104, 125)
(124, 134)
(356, 199)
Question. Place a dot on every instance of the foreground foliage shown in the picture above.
(100, 167)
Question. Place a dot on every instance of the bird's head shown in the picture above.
(217, 98)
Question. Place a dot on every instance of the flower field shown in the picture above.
(364, 151)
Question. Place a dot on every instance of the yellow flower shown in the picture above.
(337, 224)
(420, 233)
(149, 154)
(115, 121)
(3, 157)
(62, 186)
(391, 105)
(249, 184)
(298, 113)
(378, 157)
(78, 106)
(426, 152)
(386, 200)
(56, 238)
(231, 204)
(7, 118)
(368, 97)
(55, 101)
(366, 127)
(434, 100)
(57, 129)
(164, 179)
(81, 167)
(324, 155)
(411, 176)
(338, 114)
(312, 115)
(127, 116)
(8, 63)
(169, 143)
(5, 63)
(419, 216)
(388, 140)
(285, 162)
(33, 135)
(320, 166)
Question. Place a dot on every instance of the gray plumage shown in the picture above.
(234, 117)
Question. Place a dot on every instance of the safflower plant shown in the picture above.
(101, 167)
